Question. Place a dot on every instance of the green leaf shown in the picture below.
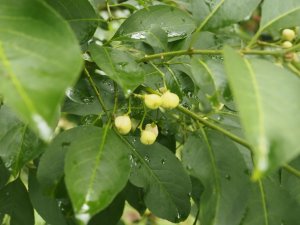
(270, 204)
(18, 144)
(39, 59)
(287, 14)
(46, 206)
(166, 195)
(264, 93)
(97, 169)
(157, 38)
(218, 164)
(110, 215)
(4, 175)
(177, 23)
(134, 196)
(51, 165)
(15, 202)
(207, 13)
(119, 66)
(80, 15)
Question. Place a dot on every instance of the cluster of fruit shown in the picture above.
(287, 37)
(167, 100)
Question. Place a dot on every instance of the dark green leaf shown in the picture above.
(218, 164)
(119, 66)
(165, 183)
(51, 166)
(97, 169)
(112, 214)
(175, 22)
(18, 144)
(270, 204)
(80, 15)
(46, 206)
(14, 201)
(39, 59)
(135, 197)
(4, 175)
(258, 90)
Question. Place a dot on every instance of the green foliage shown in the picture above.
(227, 154)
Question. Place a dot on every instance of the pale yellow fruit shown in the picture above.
(287, 44)
(153, 128)
(123, 124)
(288, 35)
(147, 137)
(152, 101)
(169, 100)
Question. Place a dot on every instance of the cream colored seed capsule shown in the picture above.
(152, 101)
(123, 124)
(287, 44)
(288, 35)
(153, 128)
(147, 137)
(169, 100)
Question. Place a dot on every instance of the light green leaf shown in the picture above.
(157, 38)
(277, 15)
(177, 23)
(18, 144)
(15, 202)
(270, 204)
(80, 15)
(166, 185)
(119, 66)
(96, 170)
(46, 206)
(39, 59)
(215, 14)
(218, 164)
(264, 94)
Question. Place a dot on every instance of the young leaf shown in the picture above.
(46, 206)
(177, 23)
(80, 15)
(97, 169)
(18, 144)
(166, 195)
(51, 165)
(119, 66)
(264, 93)
(39, 59)
(15, 202)
(220, 167)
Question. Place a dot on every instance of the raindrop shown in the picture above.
(178, 216)
(7, 193)
(190, 194)
(163, 161)
(147, 158)
(189, 167)
(227, 177)
(138, 35)
(219, 118)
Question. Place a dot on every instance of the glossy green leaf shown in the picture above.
(80, 15)
(51, 165)
(286, 15)
(119, 66)
(270, 204)
(166, 195)
(219, 13)
(218, 164)
(15, 202)
(111, 214)
(175, 22)
(258, 90)
(18, 144)
(97, 169)
(39, 59)
(46, 206)
(135, 197)
(157, 38)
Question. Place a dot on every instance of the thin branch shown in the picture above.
(291, 170)
(92, 83)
